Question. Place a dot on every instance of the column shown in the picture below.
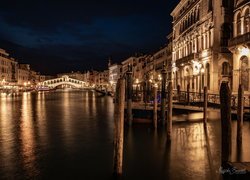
(212, 37)
(204, 41)
(208, 39)
(199, 43)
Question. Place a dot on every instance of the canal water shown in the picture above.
(69, 135)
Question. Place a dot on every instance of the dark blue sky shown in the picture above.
(58, 35)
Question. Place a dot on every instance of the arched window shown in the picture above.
(198, 14)
(225, 69)
(208, 75)
(238, 23)
(189, 20)
(244, 72)
(247, 21)
(195, 14)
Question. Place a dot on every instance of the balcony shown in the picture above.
(186, 59)
(239, 40)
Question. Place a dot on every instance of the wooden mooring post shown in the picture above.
(119, 126)
(240, 114)
(169, 112)
(163, 95)
(129, 95)
(226, 126)
(155, 107)
(205, 106)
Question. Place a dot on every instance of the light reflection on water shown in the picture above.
(70, 134)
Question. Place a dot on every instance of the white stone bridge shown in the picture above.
(64, 80)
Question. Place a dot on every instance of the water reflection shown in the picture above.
(6, 138)
(41, 117)
(70, 134)
(27, 136)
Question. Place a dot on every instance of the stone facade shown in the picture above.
(201, 29)
(240, 45)
(114, 75)
(8, 68)
(103, 79)
(12, 73)
(23, 74)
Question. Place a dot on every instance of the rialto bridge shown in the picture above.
(64, 80)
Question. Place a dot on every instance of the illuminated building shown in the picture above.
(126, 63)
(114, 75)
(240, 45)
(8, 68)
(23, 74)
(103, 79)
(201, 30)
(93, 78)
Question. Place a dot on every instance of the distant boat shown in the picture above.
(44, 89)
(68, 89)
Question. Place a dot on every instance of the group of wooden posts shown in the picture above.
(123, 84)
(225, 100)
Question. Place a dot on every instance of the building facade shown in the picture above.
(129, 61)
(8, 68)
(114, 75)
(240, 45)
(103, 79)
(24, 76)
(201, 30)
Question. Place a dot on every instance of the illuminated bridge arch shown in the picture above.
(64, 80)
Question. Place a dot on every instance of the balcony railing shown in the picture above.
(186, 59)
(245, 38)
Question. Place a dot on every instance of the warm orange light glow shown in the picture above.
(244, 51)
(159, 77)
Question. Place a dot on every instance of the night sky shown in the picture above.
(61, 36)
